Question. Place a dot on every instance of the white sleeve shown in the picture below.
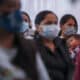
(42, 72)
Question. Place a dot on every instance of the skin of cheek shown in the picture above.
(74, 44)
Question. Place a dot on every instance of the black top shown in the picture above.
(58, 64)
(55, 64)
(25, 57)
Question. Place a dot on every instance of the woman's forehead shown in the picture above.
(50, 18)
(71, 21)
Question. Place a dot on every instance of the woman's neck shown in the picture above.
(50, 44)
(63, 36)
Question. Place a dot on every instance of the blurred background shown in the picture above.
(60, 7)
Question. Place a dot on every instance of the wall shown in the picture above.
(60, 7)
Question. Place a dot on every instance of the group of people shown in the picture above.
(44, 54)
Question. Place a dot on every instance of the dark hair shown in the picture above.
(1, 2)
(76, 36)
(41, 16)
(65, 18)
(26, 14)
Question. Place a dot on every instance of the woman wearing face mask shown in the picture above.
(56, 62)
(68, 25)
(26, 29)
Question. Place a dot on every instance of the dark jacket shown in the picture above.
(58, 64)
(62, 46)
(25, 58)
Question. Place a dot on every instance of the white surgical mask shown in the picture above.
(25, 27)
(49, 31)
(70, 30)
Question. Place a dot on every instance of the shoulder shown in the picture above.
(26, 56)
(59, 42)
(26, 50)
(28, 45)
(57, 39)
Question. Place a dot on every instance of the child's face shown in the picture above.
(73, 43)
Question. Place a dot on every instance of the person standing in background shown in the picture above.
(26, 29)
(68, 26)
